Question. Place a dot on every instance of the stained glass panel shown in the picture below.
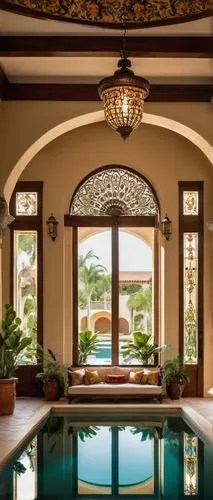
(26, 203)
(190, 298)
(190, 203)
(190, 464)
(25, 282)
(114, 191)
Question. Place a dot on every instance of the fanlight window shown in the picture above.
(114, 191)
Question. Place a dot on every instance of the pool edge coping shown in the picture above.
(199, 424)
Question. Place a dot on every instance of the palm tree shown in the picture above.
(89, 277)
(104, 288)
(83, 259)
(140, 301)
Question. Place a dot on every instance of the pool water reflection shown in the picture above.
(149, 457)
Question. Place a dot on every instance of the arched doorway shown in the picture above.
(102, 325)
(123, 326)
(118, 207)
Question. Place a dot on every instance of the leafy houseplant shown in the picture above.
(174, 377)
(54, 374)
(12, 344)
(88, 344)
(141, 348)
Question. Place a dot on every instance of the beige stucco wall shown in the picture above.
(159, 154)
(22, 123)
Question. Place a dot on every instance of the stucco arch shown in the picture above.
(95, 117)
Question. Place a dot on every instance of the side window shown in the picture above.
(26, 257)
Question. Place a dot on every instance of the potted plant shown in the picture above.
(54, 374)
(12, 344)
(88, 344)
(174, 377)
(141, 348)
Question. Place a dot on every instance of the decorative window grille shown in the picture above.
(114, 191)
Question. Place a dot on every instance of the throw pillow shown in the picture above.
(152, 377)
(92, 377)
(115, 379)
(77, 376)
(136, 377)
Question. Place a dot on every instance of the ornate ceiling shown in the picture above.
(134, 13)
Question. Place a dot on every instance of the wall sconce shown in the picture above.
(52, 229)
(166, 227)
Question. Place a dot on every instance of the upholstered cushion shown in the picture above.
(115, 390)
(77, 376)
(115, 379)
(152, 377)
(91, 377)
(102, 370)
(135, 377)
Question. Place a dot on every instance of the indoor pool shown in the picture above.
(153, 456)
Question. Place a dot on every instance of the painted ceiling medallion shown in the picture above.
(113, 12)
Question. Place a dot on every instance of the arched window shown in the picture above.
(114, 214)
(114, 191)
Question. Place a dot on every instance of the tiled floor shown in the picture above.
(14, 428)
(11, 425)
(28, 412)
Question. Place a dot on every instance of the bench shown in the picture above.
(116, 391)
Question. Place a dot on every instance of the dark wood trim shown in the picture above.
(192, 224)
(156, 469)
(115, 296)
(138, 46)
(156, 305)
(109, 221)
(115, 461)
(4, 83)
(75, 295)
(28, 385)
(11, 7)
(89, 92)
(74, 467)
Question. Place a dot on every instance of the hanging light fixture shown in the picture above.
(123, 95)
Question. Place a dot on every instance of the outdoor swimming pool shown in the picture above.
(149, 456)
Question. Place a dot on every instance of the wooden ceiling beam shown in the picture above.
(88, 92)
(144, 46)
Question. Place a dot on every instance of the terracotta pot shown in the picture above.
(7, 395)
(175, 389)
(51, 389)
